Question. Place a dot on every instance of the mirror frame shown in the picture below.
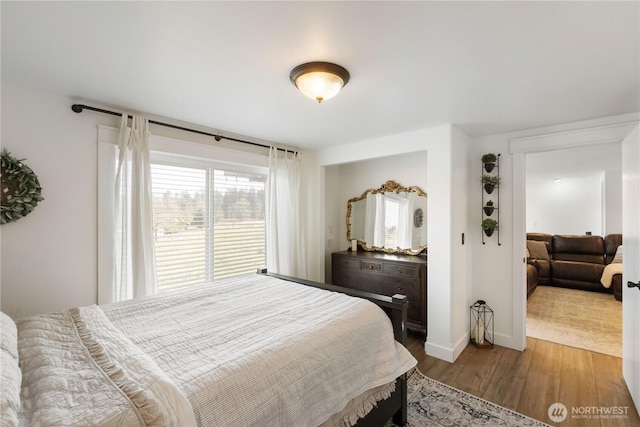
(388, 187)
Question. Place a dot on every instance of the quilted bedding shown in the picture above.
(248, 351)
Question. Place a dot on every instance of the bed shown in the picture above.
(257, 350)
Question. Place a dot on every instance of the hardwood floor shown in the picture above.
(589, 385)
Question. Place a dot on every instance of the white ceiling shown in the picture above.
(487, 67)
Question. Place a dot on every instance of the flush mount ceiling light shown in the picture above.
(319, 80)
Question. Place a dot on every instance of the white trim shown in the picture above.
(106, 210)
(573, 138)
(187, 161)
(440, 352)
(192, 148)
(519, 227)
(108, 134)
(448, 354)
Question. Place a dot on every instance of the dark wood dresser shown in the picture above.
(386, 274)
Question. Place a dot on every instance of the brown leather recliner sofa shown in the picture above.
(572, 261)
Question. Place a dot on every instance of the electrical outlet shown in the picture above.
(330, 243)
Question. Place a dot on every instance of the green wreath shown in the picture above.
(20, 189)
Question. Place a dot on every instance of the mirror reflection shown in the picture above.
(391, 219)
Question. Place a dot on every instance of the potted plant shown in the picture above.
(490, 182)
(488, 208)
(489, 161)
(489, 225)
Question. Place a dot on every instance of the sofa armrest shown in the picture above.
(532, 279)
(543, 269)
(616, 284)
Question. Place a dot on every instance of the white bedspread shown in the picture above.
(249, 351)
(61, 385)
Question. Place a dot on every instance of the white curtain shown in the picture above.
(374, 220)
(286, 245)
(134, 274)
(405, 221)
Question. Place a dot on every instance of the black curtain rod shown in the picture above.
(77, 108)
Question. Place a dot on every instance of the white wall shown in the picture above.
(49, 258)
(612, 202)
(461, 275)
(571, 205)
(584, 173)
(491, 264)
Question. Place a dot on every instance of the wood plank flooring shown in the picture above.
(530, 381)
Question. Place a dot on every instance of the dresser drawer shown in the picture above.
(390, 285)
(346, 262)
(400, 270)
(371, 266)
(353, 279)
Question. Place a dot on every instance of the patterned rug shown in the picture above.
(582, 319)
(431, 404)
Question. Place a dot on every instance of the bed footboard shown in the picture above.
(396, 308)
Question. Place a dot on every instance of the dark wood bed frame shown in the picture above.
(395, 307)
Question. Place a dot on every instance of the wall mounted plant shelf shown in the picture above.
(490, 180)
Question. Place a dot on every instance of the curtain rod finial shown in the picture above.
(77, 108)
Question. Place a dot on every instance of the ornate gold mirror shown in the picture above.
(390, 219)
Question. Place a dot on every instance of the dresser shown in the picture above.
(386, 274)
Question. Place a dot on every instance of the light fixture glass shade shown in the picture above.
(319, 85)
(319, 80)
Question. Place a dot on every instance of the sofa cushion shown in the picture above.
(539, 257)
(537, 249)
(578, 271)
(542, 237)
(578, 275)
(579, 248)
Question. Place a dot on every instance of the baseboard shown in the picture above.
(448, 354)
(505, 341)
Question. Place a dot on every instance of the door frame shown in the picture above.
(596, 132)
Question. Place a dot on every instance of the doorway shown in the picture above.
(610, 130)
(575, 191)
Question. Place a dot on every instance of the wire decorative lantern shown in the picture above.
(481, 324)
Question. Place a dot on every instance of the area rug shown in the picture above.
(432, 404)
(582, 319)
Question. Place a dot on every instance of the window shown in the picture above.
(391, 208)
(208, 220)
